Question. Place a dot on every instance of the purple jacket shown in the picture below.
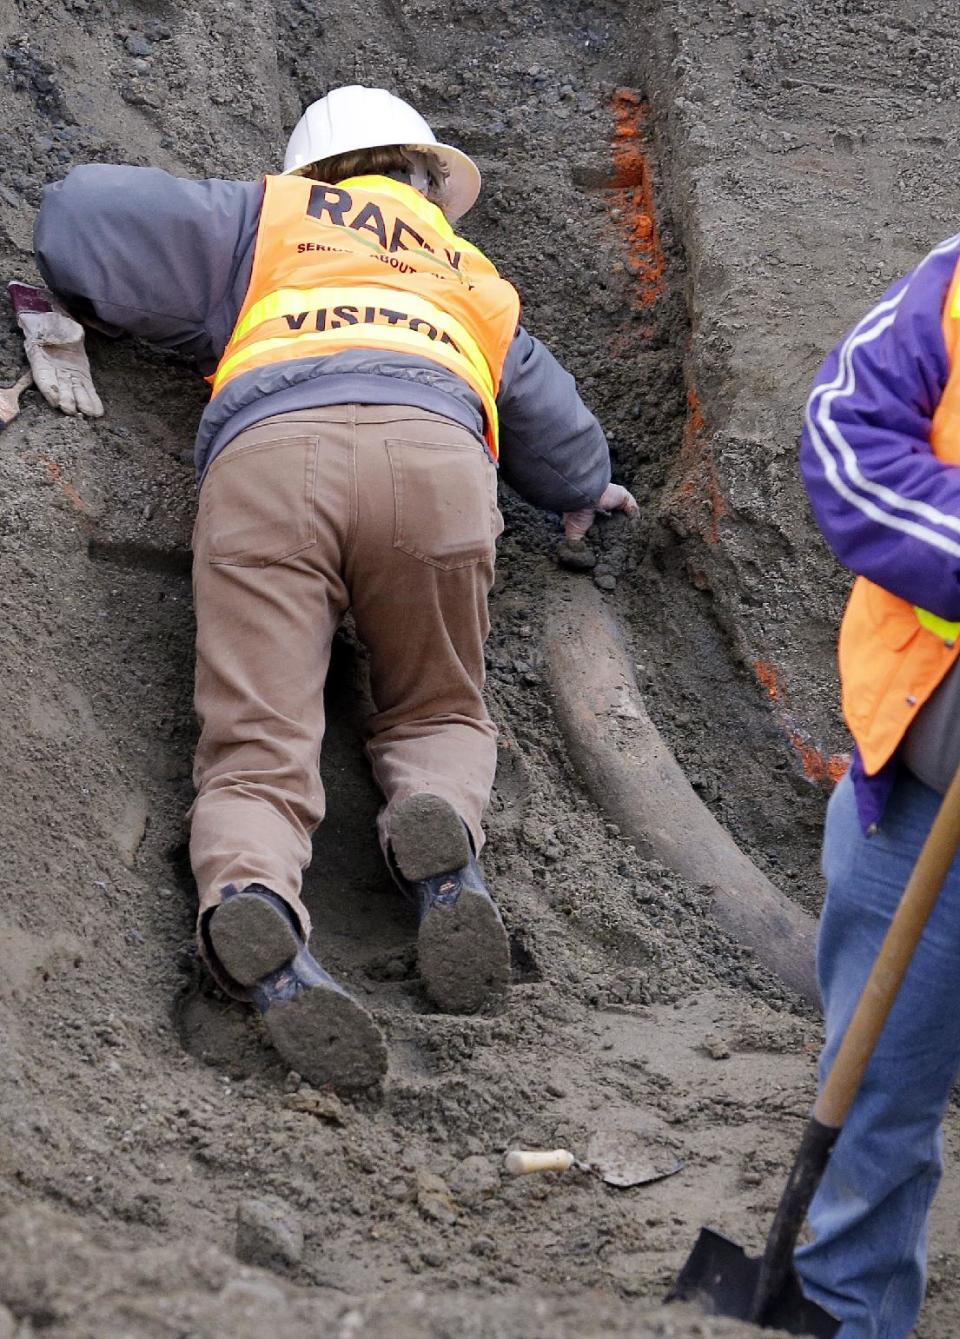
(887, 506)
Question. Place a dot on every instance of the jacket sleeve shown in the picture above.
(888, 507)
(137, 251)
(553, 451)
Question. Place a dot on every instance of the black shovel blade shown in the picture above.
(721, 1279)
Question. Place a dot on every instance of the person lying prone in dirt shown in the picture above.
(368, 375)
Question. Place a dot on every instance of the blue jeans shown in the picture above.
(867, 1263)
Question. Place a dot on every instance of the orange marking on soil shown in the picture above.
(816, 765)
(769, 676)
(699, 469)
(696, 424)
(66, 488)
(634, 180)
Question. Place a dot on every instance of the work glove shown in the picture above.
(54, 347)
(614, 498)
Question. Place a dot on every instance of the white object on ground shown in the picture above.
(521, 1162)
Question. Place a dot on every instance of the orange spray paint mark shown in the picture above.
(633, 180)
(698, 470)
(66, 488)
(696, 424)
(818, 767)
(769, 677)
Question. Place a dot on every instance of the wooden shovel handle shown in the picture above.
(896, 952)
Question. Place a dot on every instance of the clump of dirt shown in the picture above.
(142, 1116)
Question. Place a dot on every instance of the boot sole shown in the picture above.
(251, 938)
(328, 1038)
(464, 955)
(427, 837)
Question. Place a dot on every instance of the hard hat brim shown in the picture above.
(462, 176)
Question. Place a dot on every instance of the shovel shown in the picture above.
(719, 1276)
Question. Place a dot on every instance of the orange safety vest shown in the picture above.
(370, 264)
(892, 655)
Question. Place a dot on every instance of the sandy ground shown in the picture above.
(695, 200)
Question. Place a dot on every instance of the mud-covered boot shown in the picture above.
(320, 1030)
(462, 947)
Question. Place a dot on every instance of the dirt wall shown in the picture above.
(682, 215)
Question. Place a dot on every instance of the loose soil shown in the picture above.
(695, 199)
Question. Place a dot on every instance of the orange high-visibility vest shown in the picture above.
(370, 264)
(890, 660)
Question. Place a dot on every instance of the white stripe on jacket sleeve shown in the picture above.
(856, 488)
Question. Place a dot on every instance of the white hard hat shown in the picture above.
(368, 118)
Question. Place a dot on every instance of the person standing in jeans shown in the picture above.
(881, 461)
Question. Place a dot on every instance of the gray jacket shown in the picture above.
(133, 250)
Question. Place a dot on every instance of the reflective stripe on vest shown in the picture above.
(940, 627)
(380, 306)
(370, 264)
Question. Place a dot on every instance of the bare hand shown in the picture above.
(614, 498)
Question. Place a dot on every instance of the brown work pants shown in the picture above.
(390, 512)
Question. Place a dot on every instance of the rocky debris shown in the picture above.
(34, 75)
(576, 555)
(137, 45)
(326, 1106)
(475, 1178)
(268, 1234)
(716, 1047)
(434, 1199)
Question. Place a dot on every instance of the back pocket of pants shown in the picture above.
(257, 503)
(446, 502)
